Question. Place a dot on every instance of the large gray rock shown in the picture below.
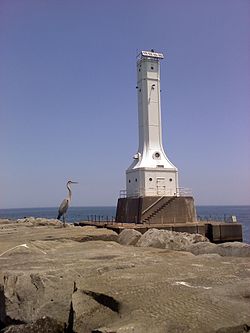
(202, 248)
(169, 239)
(235, 329)
(91, 310)
(91, 233)
(129, 237)
(233, 249)
(230, 249)
(29, 296)
(32, 222)
(131, 327)
(5, 221)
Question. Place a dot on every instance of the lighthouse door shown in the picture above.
(160, 186)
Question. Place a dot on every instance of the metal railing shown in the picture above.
(123, 194)
(152, 205)
(217, 218)
(99, 218)
(184, 192)
(180, 192)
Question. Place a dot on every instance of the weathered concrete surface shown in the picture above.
(106, 287)
(156, 210)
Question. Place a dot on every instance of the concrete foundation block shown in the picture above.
(156, 210)
(230, 232)
(185, 228)
(201, 229)
(216, 229)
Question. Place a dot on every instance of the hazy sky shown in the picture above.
(68, 105)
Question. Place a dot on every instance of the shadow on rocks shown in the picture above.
(42, 325)
(234, 329)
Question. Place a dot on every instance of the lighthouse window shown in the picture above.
(150, 179)
(152, 67)
(157, 156)
(129, 181)
(170, 179)
(136, 179)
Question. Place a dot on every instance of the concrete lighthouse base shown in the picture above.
(171, 213)
(156, 210)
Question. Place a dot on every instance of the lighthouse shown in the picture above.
(153, 198)
(152, 194)
(151, 173)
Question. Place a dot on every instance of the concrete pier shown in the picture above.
(216, 232)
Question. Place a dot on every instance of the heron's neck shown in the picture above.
(70, 193)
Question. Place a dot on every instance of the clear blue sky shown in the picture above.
(68, 107)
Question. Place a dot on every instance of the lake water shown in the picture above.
(76, 214)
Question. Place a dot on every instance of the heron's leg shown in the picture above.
(63, 221)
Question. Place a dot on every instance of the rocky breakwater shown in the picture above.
(74, 279)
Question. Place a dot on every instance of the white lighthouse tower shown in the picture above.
(151, 173)
(152, 192)
(153, 198)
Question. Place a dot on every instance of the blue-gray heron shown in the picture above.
(65, 204)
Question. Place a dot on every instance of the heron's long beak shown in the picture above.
(74, 182)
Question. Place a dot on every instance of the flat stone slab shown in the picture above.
(88, 284)
(12, 233)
